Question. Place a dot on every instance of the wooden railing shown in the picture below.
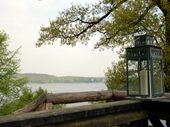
(133, 113)
(64, 98)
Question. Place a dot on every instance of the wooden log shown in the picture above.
(41, 107)
(65, 98)
(32, 106)
(119, 95)
(79, 114)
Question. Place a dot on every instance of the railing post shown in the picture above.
(49, 106)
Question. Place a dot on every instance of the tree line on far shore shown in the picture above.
(45, 78)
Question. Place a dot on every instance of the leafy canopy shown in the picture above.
(115, 22)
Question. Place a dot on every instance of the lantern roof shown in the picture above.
(142, 40)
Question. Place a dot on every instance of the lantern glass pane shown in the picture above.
(157, 77)
(133, 78)
(144, 82)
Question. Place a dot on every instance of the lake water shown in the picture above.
(69, 87)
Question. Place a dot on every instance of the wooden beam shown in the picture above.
(32, 106)
(65, 98)
(45, 118)
(106, 121)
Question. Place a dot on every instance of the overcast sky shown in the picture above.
(22, 19)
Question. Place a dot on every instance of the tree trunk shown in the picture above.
(167, 48)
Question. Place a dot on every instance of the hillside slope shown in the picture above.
(45, 78)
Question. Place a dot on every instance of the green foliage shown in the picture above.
(10, 86)
(13, 92)
(26, 97)
(116, 76)
(114, 21)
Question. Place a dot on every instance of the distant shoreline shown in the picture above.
(45, 78)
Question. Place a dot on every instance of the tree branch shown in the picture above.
(143, 14)
(135, 22)
(93, 23)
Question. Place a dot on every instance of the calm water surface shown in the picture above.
(69, 87)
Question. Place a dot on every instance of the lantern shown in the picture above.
(144, 68)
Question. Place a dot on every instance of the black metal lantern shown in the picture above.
(144, 68)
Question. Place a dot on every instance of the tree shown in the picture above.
(115, 76)
(115, 21)
(26, 97)
(13, 91)
(9, 86)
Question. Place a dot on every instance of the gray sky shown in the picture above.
(22, 19)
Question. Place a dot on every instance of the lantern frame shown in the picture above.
(144, 69)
